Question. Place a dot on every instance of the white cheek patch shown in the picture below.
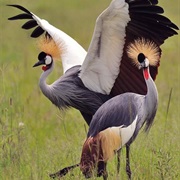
(146, 62)
(48, 60)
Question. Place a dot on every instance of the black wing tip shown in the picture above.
(150, 2)
(19, 7)
(26, 15)
(11, 18)
(37, 32)
(174, 26)
(21, 16)
(149, 10)
(10, 5)
(28, 25)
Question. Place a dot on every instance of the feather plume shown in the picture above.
(47, 45)
(110, 143)
(102, 147)
(151, 51)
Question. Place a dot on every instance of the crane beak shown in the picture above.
(38, 63)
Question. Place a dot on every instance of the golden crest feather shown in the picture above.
(151, 51)
(47, 45)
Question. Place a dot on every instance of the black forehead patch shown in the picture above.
(141, 57)
(42, 55)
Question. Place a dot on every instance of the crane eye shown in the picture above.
(48, 60)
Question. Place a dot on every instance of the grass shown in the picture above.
(37, 139)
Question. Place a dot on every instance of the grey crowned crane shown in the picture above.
(118, 121)
(106, 70)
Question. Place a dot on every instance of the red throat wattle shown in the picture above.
(44, 68)
(146, 73)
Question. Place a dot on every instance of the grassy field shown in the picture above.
(37, 139)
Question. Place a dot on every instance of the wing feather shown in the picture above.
(21, 16)
(30, 24)
(72, 53)
(107, 67)
(101, 65)
(146, 22)
(113, 113)
(37, 32)
(20, 7)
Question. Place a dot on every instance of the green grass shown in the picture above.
(49, 139)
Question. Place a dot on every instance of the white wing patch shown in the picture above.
(125, 132)
(101, 65)
(72, 53)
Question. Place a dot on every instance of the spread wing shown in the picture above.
(107, 68)
(71, 52)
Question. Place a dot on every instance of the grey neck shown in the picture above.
(151, 100)
(45, 88)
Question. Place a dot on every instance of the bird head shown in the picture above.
(142, 49)
(92, 158)
(144, 63)
(44, 59)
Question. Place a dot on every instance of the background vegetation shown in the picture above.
(37, 139)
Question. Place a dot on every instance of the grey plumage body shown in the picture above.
(123, 109)
(69, 91)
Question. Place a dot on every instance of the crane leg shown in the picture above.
(118, 161)
(105, 177)
(105, 174)
(128, 169)
(101, 171)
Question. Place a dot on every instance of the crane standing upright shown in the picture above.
(105, 71)
(118, 121)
